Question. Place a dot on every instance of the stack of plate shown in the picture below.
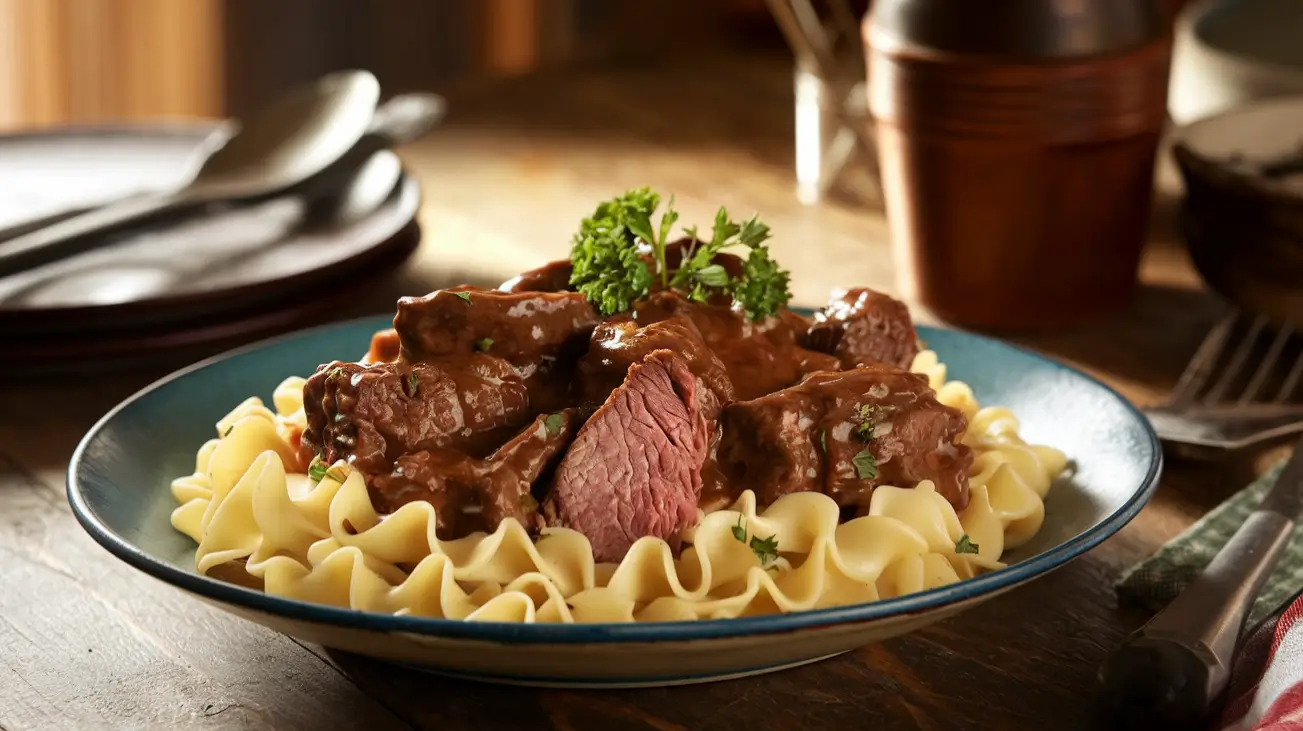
(184, 286)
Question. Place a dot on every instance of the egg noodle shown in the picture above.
(325, 543)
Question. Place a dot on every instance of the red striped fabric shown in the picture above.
(1266, 689)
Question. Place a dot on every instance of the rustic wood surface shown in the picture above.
(86, 642)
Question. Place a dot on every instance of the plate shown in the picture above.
(98, 352)
(118, 484)
(195, 265)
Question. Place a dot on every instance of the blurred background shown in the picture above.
(87, 61)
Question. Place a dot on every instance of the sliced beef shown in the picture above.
(634, 468)
(863, 326)
(470, 494)
(373, 414)
(845, 433)
(618, 344)
(759, 356)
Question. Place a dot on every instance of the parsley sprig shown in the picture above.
(609, 267)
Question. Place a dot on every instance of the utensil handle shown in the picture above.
(1174, 668)
(75, 235)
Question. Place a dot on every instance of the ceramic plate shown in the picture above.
(119, 479)
(180, 268)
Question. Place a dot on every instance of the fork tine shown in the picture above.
(1267, 365)
(1287, 388)
(1201, 365)
(1236, 363)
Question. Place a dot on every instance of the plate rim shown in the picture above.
(607, 632)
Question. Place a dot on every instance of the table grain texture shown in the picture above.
(88, 643)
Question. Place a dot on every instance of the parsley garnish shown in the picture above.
(465, 296)
(965, 545)
(483, 344)
(610, 270)
(740, 530)
(823, 440)
(553, 424)
(413, 383)
(866, 467)
(607, 267)
(228, 431)
(317, 469)
(762, 287)
(864, 431)
(765, 549)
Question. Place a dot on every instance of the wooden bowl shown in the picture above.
(1243, 222)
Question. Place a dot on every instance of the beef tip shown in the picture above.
(373, 414)
(844, 433)
(470, 494)
(863, 326)
(618, 344)
(522, 327)
(759, 356)
(385, 347)
(634, 469)
(542, 334)
(551, 277)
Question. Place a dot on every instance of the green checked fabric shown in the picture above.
(1157, 580)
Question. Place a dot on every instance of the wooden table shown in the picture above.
(87, 643)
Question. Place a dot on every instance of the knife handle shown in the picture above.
(1172, 670)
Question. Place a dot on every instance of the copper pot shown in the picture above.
(1017, 142)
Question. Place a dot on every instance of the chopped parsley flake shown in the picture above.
(483, 344)
(413, 384)
(823, 440)
(740, 530)
(317, 469)
(864, 431)
(528, 504)
(465, 296)
(965, 545)
(765, 549)
(228, 431)
(553, 423)
(866, 467)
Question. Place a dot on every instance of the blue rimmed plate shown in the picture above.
(119, 477)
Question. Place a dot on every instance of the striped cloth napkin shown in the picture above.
(1266, 689)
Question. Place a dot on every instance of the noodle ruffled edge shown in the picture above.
(250, 511)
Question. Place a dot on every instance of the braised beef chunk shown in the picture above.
(634, 469)
(385, 347)
(863, 326)
(526, 328)
(845, 433)
(617, 344)
(551, 277)
(471, 494)
(374, 414)
(760, 357)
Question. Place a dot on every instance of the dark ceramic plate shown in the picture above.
(118, 485)
(214, 262)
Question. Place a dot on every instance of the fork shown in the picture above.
(1208, 412)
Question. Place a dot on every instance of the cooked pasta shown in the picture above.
(249, 507)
